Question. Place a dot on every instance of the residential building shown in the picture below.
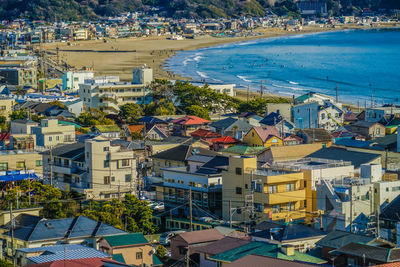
(381, 114)
(132, 249)
(76, 230)
(315, 135)
(370, 130)
(107, 131)
(37, 255)
(223, 142)
(50, 133)
(186, 125)
(24, 163)
(302, 238)
(285, 153)
(266, 136)
(283, 109)
(261, 194)
(92, 262)
(107, 94)
(328, 115)
(96, 168)
(204, 134)
(74, 106)
(313, 7)
(390, 222)
(24, 76)
(232, 127)
(6, 107)
(312, 97)
(22, 126)
(283, 125)
(72, 79)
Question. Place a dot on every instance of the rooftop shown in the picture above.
(126, 239)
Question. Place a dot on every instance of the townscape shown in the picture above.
(138, 166)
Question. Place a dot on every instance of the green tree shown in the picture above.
(19, 114)
(164, 107)
(5, 263)
(93, 117)
(161, 251)
(130, 112)
(198, 111)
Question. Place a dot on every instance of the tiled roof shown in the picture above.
(151, 120)
(338, 239)
(203, 133)
(225, 140)
(281, 153)
(363, 250)
(317, 134)
(201, 236)
(135, 128)
(222, 245)
(126, 239)
(190, 120)
(244, 150)
(224, 123)
(108, 128)
(156, 261)
(182, 152)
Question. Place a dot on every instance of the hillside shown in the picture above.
(92, 9)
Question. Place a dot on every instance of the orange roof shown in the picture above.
(135, 128)
(203, 133)
(190, 120)
(225, 140)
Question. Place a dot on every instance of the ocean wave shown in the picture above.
(202, 74)
(293, 82)
(244, 78)
(289, 87)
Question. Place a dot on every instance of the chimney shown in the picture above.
(398, 138)
(288, 250)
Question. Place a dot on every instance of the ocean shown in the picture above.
(361, 64)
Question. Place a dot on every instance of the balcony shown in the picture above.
(284, 197)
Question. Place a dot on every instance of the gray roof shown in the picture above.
(338, 239)
(365, 124)
(369, 252)
(223, 124)
(77, 227)
(183, 152)
(67, 151)
(335, 153)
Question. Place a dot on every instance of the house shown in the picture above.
(327, 115)
(258, 260)
(107, 131)
(292, 140)
(189, 242)
(251, 118)
(315, 135)
(6, 107)
(74, 106)
(302, 238)
(283, 109)
(186, 125)
(18, 165)
(389, 221)
(371, 130)
(157, 133)
(135, 131)
(278, 195)
(78, 230)
(337, 239)
(46, 254)
(266, 136)
(231, 127)
(282, 124)
(217, 247)
(132, 249)
(223, 142)
(242, 150)
(312, 97)
(275, 251)
(285, 153)
(205, 134)
(72, 79)
(51, 133)
(22, 126)
(96, 168)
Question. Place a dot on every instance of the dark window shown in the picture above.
(239, 171)
(139, 255)
(238, 190)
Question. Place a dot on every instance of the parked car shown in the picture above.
(165, 238)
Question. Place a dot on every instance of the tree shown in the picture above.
(5, 263)
(19, 114)
(164, 107)
(161, 251)
(94, 117)
(198, 111)
(130, 112)
(57, 103)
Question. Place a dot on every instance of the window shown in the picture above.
(112, 178)
(290, 206)
(106, 164)
(20, 164)
(125, 162)
(106, 148)
(50, 138)
(128, 178)
(238, 190)
(322, 116)
(2, 107)
(276, 208)
(3, 166)
(57, 138)
(239, 171)
(139, 255)
(378, 130)
(106, 179)
(272, 189)
(87, 155)
(39, 163)
(290, 187)
(258, 207)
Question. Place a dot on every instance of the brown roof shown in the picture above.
(135, 128)
(222, 245)
(282, 153)
(201, 236)
(262, 261)
(317, 134)
(265, 131)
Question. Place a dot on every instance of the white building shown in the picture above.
(72, 79)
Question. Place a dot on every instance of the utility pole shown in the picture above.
(170, 220)
(351, 208)
(191, 209)
(230, 213)
(188, 257)
(372, 101)
(51, 165)
(261, 89)
(309, 118)
(12, 230)
(17, 199)
(248, 92)
(377, 223)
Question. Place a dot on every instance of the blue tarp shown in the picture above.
(17, 177)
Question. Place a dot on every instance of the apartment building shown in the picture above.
(108, 95)
(50, 133)
(19, 70)
(72, 79)
(20, 164)
(257, 194)
(95, 168)
(6, 107)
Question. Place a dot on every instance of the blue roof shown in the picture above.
(17, 177)
(64, 252)
(150, 119)
(65, 228)
(354, 143)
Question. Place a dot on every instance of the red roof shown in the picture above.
(92, 262)
(225, 140)
(203, 133)
(190, 120)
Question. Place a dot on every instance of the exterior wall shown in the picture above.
(20, 76)
(252, 139)
(50, 133)
(22, 160)
(285, 109)
(162, 163)
(71, 80)
(306, 115)
(21, 128)
(6, 107)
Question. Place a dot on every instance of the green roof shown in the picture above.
(69, 123)
(263, 249)
(156, 261)
(119, 258)
(244, 150)
(126, 239)
(108, 128)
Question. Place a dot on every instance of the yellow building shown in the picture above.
(266, 136)
(264, 193)
(6, 107)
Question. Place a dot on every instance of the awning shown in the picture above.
(17, 177)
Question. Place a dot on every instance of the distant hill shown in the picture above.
(92, 9)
